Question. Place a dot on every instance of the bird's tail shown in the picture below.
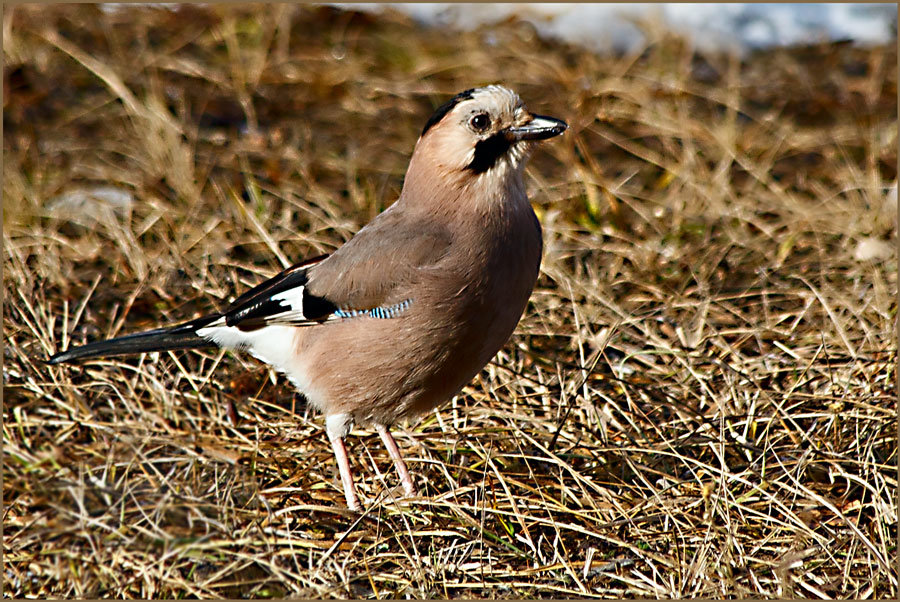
(182, 336)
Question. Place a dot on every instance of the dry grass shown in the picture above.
(698, 402)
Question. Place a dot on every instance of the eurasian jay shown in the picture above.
(402, 316)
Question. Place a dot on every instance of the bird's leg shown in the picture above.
(340, 454)
(399, 464)
(337, 426)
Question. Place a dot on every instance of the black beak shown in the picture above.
(539, 128)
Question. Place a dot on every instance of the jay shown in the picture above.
(402, 316)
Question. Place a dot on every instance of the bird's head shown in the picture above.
(483, 134)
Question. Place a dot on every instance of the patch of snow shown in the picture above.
(871, 248)
(739, 26)
(89, 205)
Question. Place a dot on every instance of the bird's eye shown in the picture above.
(480, 122)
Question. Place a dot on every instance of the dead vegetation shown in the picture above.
(698, 402)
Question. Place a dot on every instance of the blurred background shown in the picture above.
(699, 401)
(738, 26)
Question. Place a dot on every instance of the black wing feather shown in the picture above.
(251, 309)
(289, 278)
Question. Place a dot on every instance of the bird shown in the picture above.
(403, 315)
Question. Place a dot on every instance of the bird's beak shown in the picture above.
(539, 128)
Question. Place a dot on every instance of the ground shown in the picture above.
(698, 401)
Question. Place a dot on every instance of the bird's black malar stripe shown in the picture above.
(445, 108)
(487, 152)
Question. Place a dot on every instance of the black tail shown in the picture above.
(183, 336)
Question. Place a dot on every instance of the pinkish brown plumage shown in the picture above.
(401, 317)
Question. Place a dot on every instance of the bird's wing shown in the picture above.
(373, 274)
(381, 265)
(282, 299)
